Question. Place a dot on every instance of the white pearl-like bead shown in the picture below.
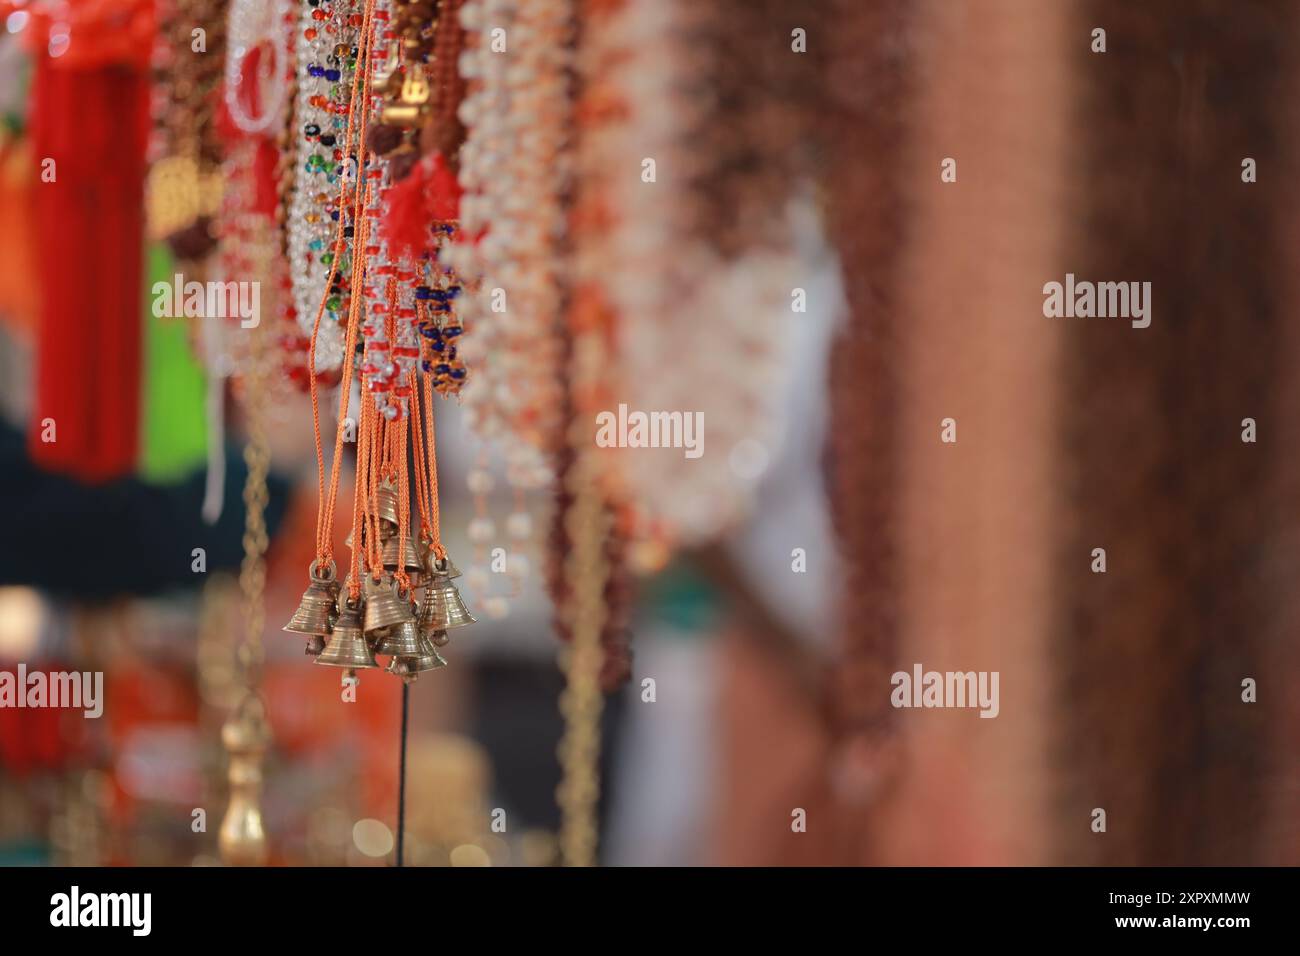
(480, 482)
(519, 526)
(481, 530)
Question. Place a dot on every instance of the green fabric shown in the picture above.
(174, 438)
(681, 598)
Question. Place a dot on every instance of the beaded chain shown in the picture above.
(410, 323)
(184, 185)
(515, 176)
(327, 57)
(729, 302)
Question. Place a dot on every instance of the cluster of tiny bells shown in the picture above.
(384, 620)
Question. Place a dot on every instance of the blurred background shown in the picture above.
(1120, 690)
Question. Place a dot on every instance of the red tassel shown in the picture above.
(93, 123)
(428, 194)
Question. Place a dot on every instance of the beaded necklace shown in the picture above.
(327, 56)
(513, 168)
(724, 289)
(183, 188)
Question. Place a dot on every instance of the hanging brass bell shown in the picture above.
(429, 631)
(347, 646)
(386, 502)
(440, 567)
(443, 608)
(403, 640)
(316, 611)
(408, 668)
(396, 549)
(428, 660)
(386, 530)
(384, 606)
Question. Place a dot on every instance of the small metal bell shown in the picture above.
(384, 606)
(444, 568)
(443, 608)
(400, 641)
(347, 646)
(316, 611)
(395, 550)
(386, 503)
(430, 632)
(428, 659)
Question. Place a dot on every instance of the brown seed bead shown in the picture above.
(383, 139)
